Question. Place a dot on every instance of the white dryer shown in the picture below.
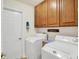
(60, 50)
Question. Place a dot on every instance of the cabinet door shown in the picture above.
(41, 14)
(76, 12)
(44, 14)
(37, 16)
(67, 13)
(53, 13)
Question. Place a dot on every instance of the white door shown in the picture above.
(12, 34)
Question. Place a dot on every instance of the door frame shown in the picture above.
(14, 10)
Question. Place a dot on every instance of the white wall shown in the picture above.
(28, 11)
(68, 31)
(28, 14)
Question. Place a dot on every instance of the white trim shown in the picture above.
(13, 10)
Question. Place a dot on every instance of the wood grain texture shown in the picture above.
(37, 17)
(56, 13)
(53, 13)
(41, 15)
(67, 13)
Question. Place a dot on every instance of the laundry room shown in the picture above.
(39, 29)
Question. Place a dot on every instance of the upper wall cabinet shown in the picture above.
(68, 12)
(41, 15)
(52, 13)
(44, 14)
(37, 16)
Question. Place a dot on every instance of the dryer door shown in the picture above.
(52, 53)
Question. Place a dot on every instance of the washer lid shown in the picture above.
(33, 39)
(65, 47)
(50, 53)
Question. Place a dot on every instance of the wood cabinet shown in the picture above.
(52, 13)
(67, 13)
(76, 12)
(41, 15)
(44, 14)
(37, 16)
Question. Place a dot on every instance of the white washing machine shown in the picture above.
(60, 50)
(33, 47)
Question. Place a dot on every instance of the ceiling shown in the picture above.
(31, 2)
